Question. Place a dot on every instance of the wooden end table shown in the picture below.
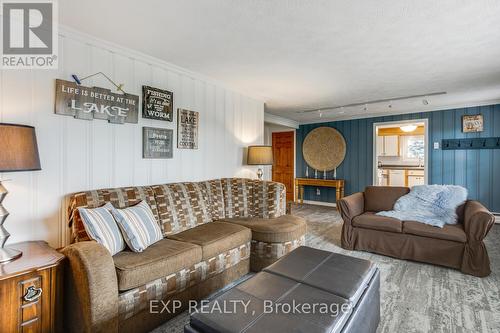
(31, 290)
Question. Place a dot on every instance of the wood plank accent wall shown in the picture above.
(477, 170)
(80, 155)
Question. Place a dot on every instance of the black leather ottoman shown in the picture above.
(308, 290)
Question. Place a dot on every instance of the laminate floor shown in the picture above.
(415, 297)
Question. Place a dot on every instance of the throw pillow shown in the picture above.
(101, 227)
(138, 226)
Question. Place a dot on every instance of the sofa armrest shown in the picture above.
(269, 198)
(91, 289)
(351, 206)
(477, 221)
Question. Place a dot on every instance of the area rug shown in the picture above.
(415, 297)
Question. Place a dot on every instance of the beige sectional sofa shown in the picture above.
(214, 232)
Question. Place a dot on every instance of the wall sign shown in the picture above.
(157, 142)
(95, 103)
(187, 129)
(473, 123)
(157, 104)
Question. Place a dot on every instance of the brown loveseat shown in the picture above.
(458, 246)
(214, 232)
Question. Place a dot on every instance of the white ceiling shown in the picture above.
(299, 54)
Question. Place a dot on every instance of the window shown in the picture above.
(413, 147)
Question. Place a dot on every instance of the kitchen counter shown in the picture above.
(401, 167)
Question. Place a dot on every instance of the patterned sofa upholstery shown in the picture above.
(214, 232)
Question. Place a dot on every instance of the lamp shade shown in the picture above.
(18, 148)
(260, 155)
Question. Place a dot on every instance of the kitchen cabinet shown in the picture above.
(391, 145)
(415, 177)
(388, 145)
(415, 180)
(397, 177)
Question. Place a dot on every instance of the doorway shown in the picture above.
(284, 160)
(400, 153)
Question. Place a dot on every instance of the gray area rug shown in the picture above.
(415, 297)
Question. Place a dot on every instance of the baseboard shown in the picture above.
(320, 203)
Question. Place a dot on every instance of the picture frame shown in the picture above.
(157, 104)
(472, 123)
(187, 129)
(157, 143)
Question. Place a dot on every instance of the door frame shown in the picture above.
(294, 156)
(426, 144)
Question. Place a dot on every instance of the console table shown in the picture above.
(301, 182)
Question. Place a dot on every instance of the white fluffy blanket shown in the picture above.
(435, 205)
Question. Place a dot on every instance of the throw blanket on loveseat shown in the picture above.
(435, 205)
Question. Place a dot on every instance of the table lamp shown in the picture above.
(18, 152)
(260, 155)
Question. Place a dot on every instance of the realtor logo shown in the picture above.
(29, 32)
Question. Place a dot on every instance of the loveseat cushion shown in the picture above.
(453, 232)
(159, 260)
(277, 230)
(215, 237)
(381, 198)
(369, 220)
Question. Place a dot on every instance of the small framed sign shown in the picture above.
(157, 104)
(473, 123)
(187, 129)
(157, 142)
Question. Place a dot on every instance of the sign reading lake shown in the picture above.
(95, 103)
(187, 129)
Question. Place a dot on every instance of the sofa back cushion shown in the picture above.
(119, 197)
(269, 199)
(381, 198)
(182, 206)
(215, 198)
(238, 197)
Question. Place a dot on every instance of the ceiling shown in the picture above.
(306, 55)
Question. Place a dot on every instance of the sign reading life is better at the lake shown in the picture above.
(187, 129)
(157, 104)
(95, 103)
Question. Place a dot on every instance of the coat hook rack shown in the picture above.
(474, 143)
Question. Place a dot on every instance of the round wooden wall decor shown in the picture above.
(324, 148)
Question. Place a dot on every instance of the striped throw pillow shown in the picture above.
(138, 225)
(101, 227)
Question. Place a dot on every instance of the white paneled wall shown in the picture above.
(80, 155)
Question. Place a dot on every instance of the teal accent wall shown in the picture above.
(477, 170)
